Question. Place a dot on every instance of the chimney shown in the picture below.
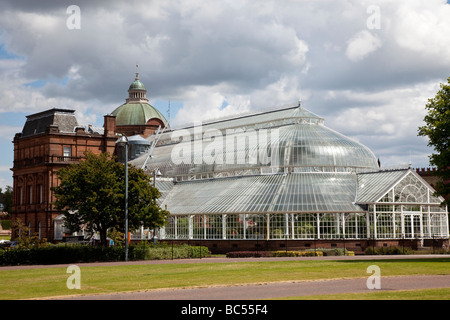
(110, 125)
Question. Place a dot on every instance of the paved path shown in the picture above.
(279, 289)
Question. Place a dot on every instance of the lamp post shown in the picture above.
(123, 142)
(156, 173)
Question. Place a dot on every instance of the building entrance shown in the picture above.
(412, 225)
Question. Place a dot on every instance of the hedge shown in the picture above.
(388, 250)
(298, 253)
(63, 254)
(249, 254)
(336, 252)
(165, 251)
(6, 224)
(281, 253)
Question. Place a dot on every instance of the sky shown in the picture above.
(367, 67)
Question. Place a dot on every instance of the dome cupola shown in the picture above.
(137, 91)
(136, 111)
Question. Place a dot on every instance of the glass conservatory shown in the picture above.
(282, 174)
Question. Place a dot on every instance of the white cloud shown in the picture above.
(390, 126)
(403, 108)
(224, 57)
(362, 44)
(423, 27)
(204, 103)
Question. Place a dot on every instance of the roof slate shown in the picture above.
(38, 123)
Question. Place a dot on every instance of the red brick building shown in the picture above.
(49, 141)
(53, 139)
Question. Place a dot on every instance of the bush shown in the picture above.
(309, 253)
(146, 251)
(76, 253)
(336, 252)
(388, 250)
(249, 254)
(281, 253)
(61, 254)
(6, 224)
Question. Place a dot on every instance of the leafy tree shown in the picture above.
(92, 194)
(6, 198)
(437, 129)
(26, 239)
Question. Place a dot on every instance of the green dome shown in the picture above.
(136, 110)
(137, 114)
(137, 85)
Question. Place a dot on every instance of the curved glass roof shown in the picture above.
(285, 140)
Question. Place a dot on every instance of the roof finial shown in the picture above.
(137, 72)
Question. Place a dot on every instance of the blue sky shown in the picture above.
(367, 67)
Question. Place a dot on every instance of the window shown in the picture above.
(30, 194)
(41, 193)
(20, 195)
(67, 152)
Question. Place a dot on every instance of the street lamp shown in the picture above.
(122, 142)
(156, 173)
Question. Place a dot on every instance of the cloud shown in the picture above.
(362, 44)
(424, 29)
(224, 57)
(387, 121)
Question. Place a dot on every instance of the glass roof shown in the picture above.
(373, 185)
(280, 193)
(395, 186)
(286, 140)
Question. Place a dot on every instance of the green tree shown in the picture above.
(26, 239)
(437, 129)
(6, 198)
(92, 194)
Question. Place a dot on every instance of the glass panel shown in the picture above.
(305, 226)
(355, 226)
(329, 226)
(409, 190)
(278, 228)
(235, 227)
(256, 226)
(214, 227)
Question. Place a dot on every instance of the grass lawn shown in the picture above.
(46, 282)
(423, 294)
